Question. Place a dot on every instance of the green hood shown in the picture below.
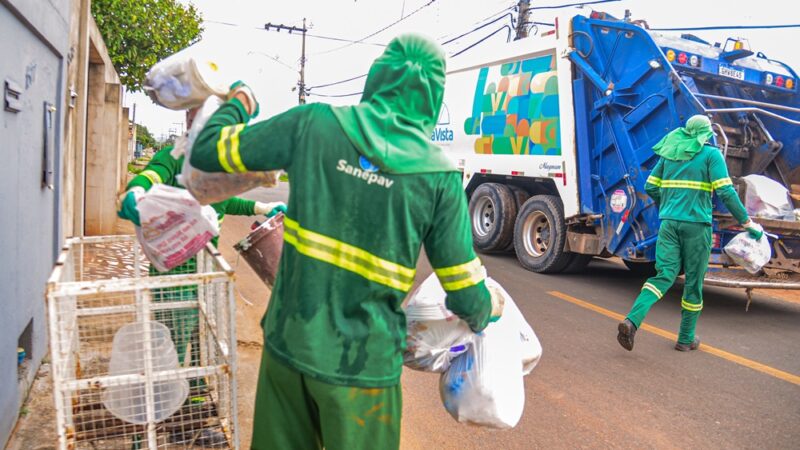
(682, 144)
(393, 123)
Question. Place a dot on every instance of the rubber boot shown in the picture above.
(688, 347)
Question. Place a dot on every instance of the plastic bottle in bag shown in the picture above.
(185, 79)
(749, 253)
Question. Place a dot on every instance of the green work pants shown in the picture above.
(680, 244)
(294, 411)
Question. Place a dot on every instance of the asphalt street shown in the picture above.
(740, 390)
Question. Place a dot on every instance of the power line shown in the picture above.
(337, 82)
(380, 30)
(273, 58)
(728, 27)
(336, 95)
(508, 38)
(477, 28)
(574, 4)
(317, 36)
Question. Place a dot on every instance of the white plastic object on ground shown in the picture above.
(208, 187)
(749, 253)
(185, 79)
(434, 334)
(129, 356)
(484, 386)
(174, 226)
(767, 198)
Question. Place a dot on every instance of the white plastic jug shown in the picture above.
(128, 401)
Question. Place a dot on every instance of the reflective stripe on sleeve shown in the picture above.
(461, 276)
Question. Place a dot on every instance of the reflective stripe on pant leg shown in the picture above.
(668, 264)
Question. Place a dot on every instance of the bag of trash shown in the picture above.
(483, 386)
(531, 350)
(185, 79)
(174, 227)
(434, 334)
(749, 253)
(767, 198)
(208, 187)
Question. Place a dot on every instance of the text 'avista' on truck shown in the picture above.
(554, 134)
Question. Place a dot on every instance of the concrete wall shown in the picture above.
(34, 58)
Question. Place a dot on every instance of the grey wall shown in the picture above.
(33, 50)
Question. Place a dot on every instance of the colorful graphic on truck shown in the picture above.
(515, 111)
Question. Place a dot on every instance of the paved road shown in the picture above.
(743, 391)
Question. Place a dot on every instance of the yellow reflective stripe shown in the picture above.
(653, 289)
(685, 184)
(472, 280)
(221, 150)
(694, 307)
(338, 261)
(234, 152)
(467, 267)
(654, 180)
(152, 175)
(721, 182)
(341, 254)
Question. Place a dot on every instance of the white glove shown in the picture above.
(498, 302)
(269, 209)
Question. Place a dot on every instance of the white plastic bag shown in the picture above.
(214, 187)
(434, 334)
(185, 79)
(767, 198)
(484, 386)
(174, 227)
(531, 349)
(749, 253)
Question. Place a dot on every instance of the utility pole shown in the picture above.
(301, 85)
(523, 12)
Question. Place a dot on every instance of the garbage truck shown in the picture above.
(554, 137)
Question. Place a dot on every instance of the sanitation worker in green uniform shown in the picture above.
(681, 184)
(368, 190)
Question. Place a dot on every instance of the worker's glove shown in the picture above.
(245, 95)
(126, 205)
(755, 230)
(270, 209)
(498, 302)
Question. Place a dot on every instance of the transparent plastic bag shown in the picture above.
(208, 187)
(749, 253)
(531, 349)
(483, 386)
(434, 334)
(174, 227)
(185, 79)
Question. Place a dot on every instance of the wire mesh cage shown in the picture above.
(141, 359)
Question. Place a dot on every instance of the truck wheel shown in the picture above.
(492, 210)
(641, 269)
(540, 235)
(520, 196)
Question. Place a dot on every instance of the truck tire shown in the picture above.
(520, 196)
(540, 235)
(492, 211)
(641, 269)
(578, 263)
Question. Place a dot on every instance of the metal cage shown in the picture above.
(141, 359)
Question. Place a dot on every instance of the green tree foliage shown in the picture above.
(139, 33)
(144, 137)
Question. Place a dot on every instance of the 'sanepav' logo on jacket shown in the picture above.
(366, 171)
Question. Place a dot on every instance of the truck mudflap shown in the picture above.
(736, 277)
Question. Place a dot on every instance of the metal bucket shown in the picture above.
(262, 249)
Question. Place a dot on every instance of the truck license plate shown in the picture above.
(731, 73)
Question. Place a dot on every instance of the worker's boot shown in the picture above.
(627, 330)
(687, 347)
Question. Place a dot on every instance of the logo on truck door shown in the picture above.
(515, 109)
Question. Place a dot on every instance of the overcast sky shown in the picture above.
(234, 35)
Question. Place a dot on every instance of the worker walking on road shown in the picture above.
(681, 185)
(368, 189)
(183, 324)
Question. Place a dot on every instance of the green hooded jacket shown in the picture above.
(688, 172)
(360, 209)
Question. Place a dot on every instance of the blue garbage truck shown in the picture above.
(554, 136)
